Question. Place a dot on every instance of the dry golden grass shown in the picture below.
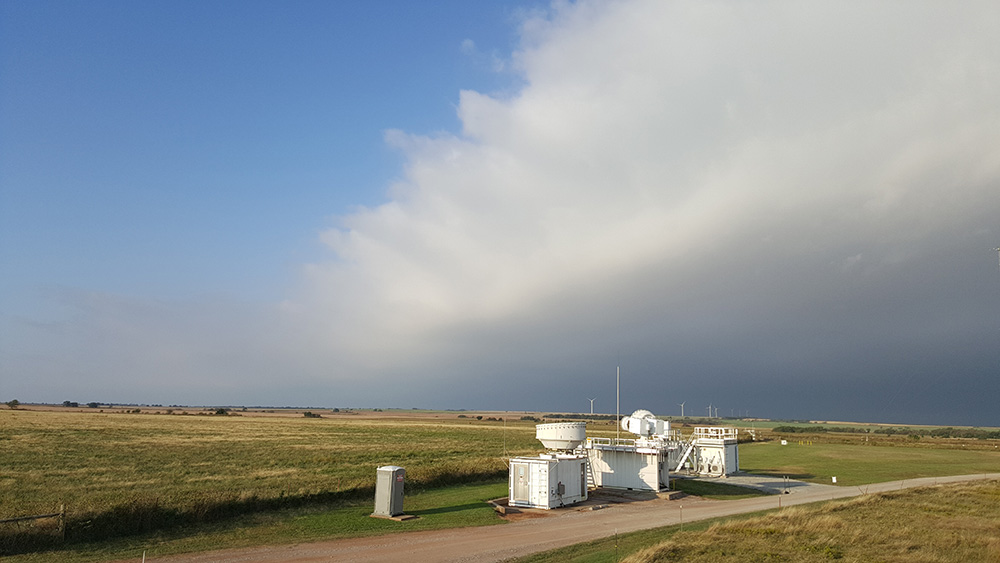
(954, 523)
(172, 468)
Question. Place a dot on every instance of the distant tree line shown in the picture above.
(581, 416)
(949, 432)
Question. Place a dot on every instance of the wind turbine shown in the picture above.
(682, 408)
(592, 405)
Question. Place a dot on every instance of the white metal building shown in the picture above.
(715, 450)
(642, 463)
(575, 462)
(618, 465)
(548, 481)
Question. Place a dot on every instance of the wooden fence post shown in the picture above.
(62, 522)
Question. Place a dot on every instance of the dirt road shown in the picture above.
(564, 527)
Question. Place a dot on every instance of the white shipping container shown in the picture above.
(547, 481)
(625, 468)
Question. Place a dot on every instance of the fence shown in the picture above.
(61, 515)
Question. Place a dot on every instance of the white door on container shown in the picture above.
(521, 489)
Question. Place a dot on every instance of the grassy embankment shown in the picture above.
(949, 523)
(124, 474)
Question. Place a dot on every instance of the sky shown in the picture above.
(781, 209)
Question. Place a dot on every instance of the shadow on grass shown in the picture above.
(143, 515)
(779, 475)
(447, 509)
(721, 491)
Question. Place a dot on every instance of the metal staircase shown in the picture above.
(684, 457)
(591, 481)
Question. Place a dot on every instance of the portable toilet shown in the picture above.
(389, 491)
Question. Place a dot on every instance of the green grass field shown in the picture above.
(448, 507)
(122, 474)
(179, 483)
(714, 490)
(858, 464)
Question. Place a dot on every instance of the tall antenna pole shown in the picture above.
(618, 399)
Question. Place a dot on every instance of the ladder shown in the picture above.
(591, 481)
(684, 457)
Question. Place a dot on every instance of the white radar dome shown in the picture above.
(644, 423)
(561, 435)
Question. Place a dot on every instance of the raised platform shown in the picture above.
(397, 518)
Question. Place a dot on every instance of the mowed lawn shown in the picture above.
(858, 464)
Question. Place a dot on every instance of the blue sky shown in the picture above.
(175, 149)
(786, 209)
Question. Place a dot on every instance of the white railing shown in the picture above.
(654, 442)
(715, 432)
(611, 442)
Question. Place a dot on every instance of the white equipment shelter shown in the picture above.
(548, 481)
(641, 464)
(575, 462)
(717, 451)
(555, 479)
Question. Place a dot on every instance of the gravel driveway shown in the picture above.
(559, 528)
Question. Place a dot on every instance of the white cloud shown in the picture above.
(676, 138)
(721, 192)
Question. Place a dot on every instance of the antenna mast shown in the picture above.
(618, 399)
